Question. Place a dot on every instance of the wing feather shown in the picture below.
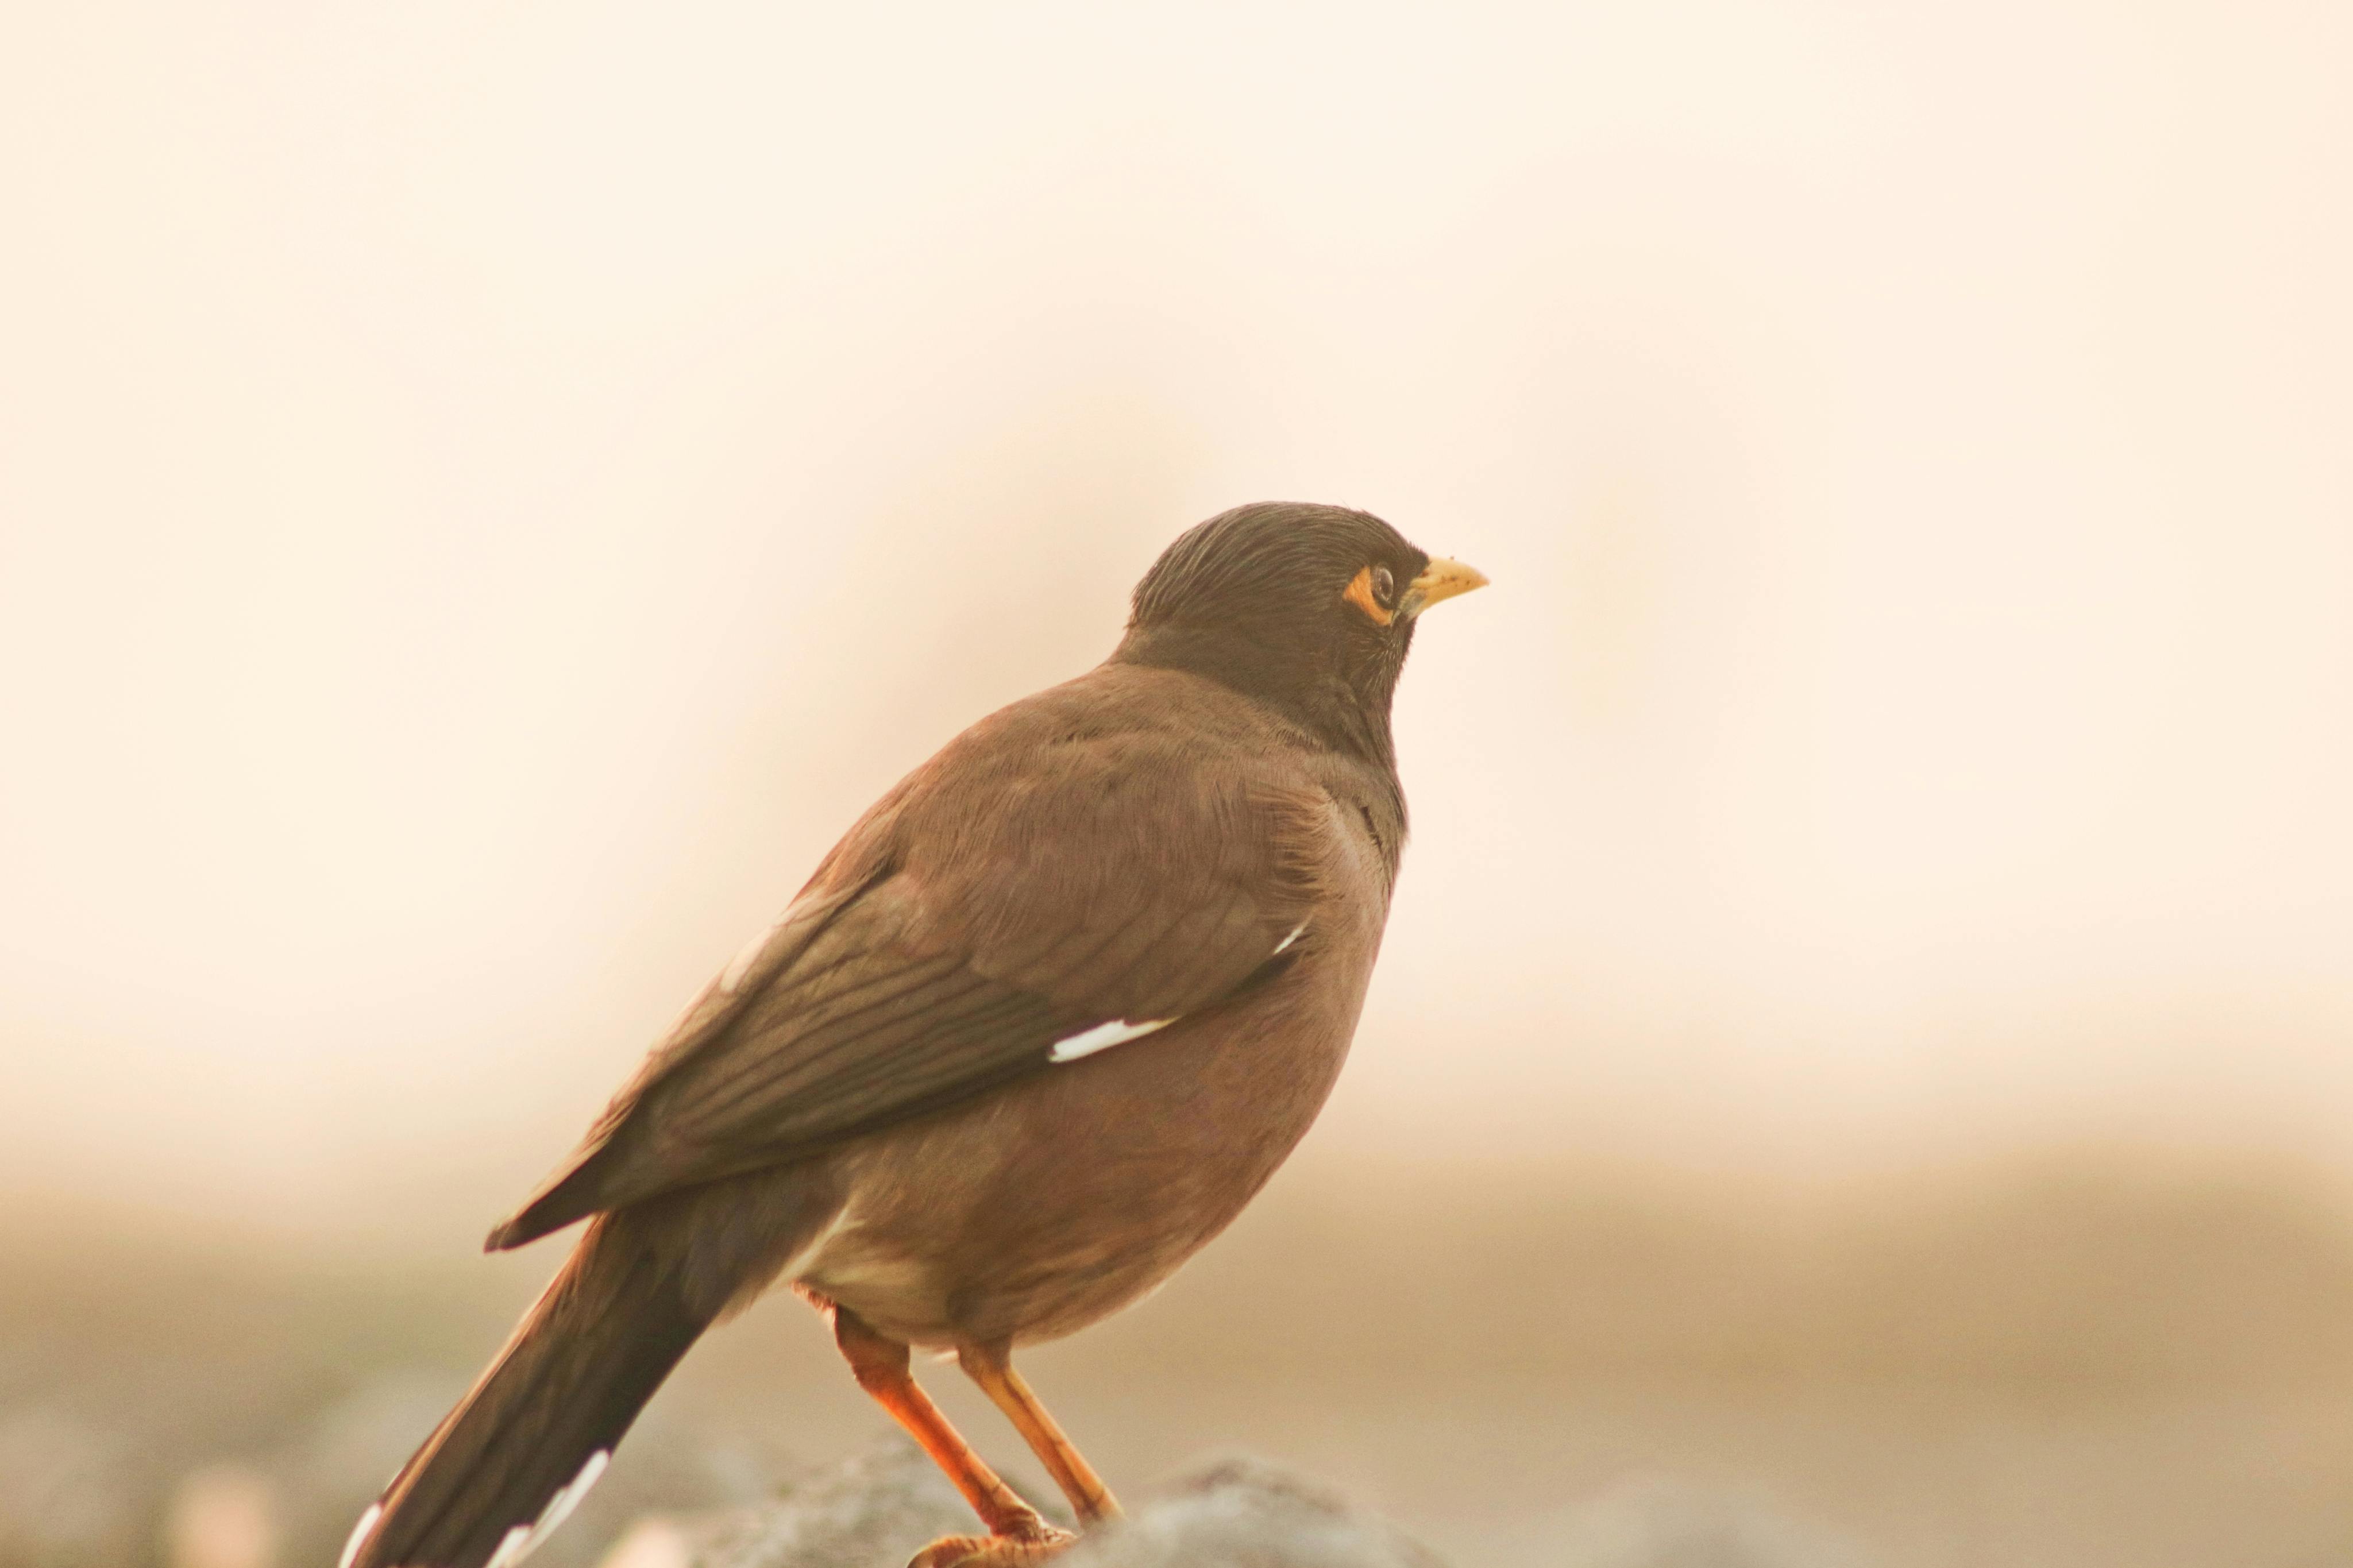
(1010, 895)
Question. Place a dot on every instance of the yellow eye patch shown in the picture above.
(1360, 592)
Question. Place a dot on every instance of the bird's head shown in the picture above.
(1308, 608)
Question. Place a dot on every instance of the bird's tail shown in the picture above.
(536, 1430)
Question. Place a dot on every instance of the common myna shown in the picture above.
(1037, 1029)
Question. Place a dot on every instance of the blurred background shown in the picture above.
(1860, 1070)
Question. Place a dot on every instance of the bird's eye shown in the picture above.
(1383, 585)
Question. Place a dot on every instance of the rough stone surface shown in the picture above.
(879, 1509)
(1247, 1514)
(1662, 1525)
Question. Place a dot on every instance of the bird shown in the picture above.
(1037, 1027)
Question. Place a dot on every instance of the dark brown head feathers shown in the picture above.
(1293, 604)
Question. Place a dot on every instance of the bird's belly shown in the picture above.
(1038, 1209)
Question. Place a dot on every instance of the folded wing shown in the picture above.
(1012, 898)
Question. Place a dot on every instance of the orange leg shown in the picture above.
(880, 1367)
(991, 1366)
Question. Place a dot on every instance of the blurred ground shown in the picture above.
(2098, 1360)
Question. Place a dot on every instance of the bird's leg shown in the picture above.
(1016, 1533)
(991, 1366)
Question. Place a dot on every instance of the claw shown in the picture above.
(993, 1550)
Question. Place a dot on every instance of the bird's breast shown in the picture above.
(1040, 1207)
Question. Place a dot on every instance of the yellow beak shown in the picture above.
(1442, 579)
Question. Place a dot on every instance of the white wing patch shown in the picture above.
(1119, 1031)
(524, 1539)
(1102, 1037)
(360, 1534)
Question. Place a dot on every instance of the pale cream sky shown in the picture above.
(486, 496)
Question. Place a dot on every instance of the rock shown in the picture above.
(1247, 1514)
(877, 1510)
(1662, 1525)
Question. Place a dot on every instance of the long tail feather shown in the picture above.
(537, 1429)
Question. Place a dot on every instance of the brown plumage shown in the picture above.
(1037, 1029)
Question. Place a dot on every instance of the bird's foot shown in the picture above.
(993, 1551)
